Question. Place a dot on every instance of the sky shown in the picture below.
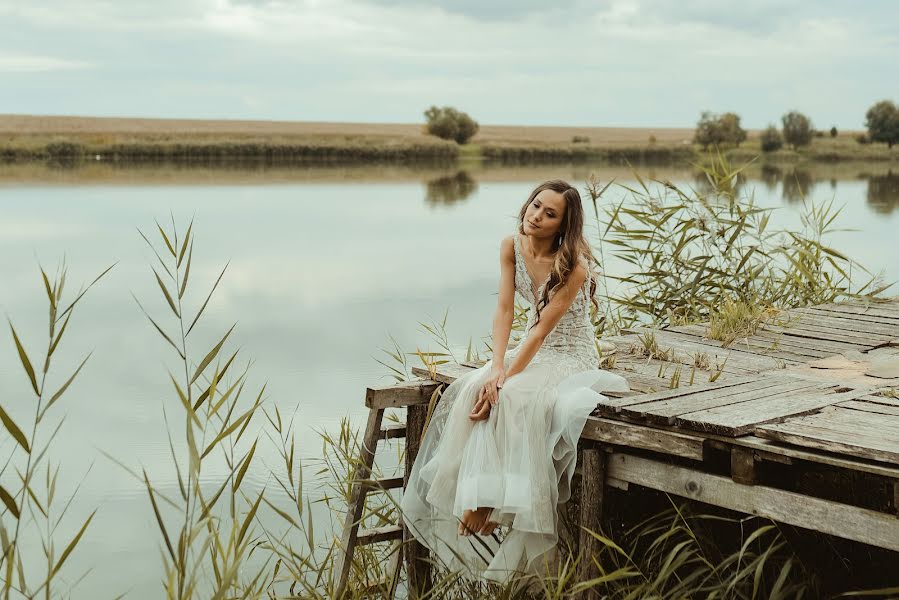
(639, 63)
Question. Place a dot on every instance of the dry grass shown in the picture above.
(18, 125)
(28, 137)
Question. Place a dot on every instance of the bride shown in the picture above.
(500, 447)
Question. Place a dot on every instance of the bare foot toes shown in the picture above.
(488, 528)
(473, 521)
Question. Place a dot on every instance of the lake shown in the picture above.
(326, 264)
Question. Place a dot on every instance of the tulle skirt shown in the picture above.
(519, 461)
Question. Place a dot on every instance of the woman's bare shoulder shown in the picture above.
(507, 248)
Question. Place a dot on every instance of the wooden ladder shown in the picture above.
(415, 396)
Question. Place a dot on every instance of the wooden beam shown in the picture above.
(620, 433)
(742, 466)
(446, 373)
(356, 501)
(834, 518)
(379, 534)
(404, 393)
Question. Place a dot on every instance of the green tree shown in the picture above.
(708, 130)
(730, 128)
(833, 131)
(771, 139)
(797, 129)
(713, 130)
(882, 121)
(450, 124)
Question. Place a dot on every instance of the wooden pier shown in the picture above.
(742, 427)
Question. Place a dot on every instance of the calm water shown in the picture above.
(325, 265)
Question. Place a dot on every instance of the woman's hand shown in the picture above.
(488, 395)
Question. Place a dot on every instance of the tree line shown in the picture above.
(881, 121)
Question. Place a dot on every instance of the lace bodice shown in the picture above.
(574, 336)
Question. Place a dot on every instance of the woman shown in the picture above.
(500, 447)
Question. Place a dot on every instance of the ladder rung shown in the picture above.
(379, 534)
(388, 483)
(393, 431)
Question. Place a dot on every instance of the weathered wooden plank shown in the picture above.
(742, 418)
(882, 324)
(611, 406)
(386, 483)
(687, 352)
(764, 340)
(841, 325)
(380, 534)
(809, 344)
(404, 393)
(857, 433)
(393, 431)
(446, 373)
(810, 329)
(621, 433)
(834, 518)
(747, 359)
(871, 310)
(880, 400)
(872, 407)
(665, 410)
(780, 452)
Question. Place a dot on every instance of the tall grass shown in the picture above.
(688, 253)
(31, 511)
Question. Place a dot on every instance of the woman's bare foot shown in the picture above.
(475, 521)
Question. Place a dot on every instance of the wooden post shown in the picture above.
(418, 569)
(593, 476)
(356, 504)
(742, 466)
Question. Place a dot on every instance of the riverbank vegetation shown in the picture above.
(74, 140)
(691, 252)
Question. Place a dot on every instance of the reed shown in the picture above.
(31, 511)
(691, 254)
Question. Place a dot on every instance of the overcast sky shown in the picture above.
(561, 62)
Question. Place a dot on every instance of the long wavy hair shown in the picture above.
(570, 245)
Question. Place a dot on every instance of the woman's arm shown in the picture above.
(505, 302)
(562, 299)
(502, 327)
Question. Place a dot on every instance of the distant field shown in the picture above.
(26, 137)
(514, 134)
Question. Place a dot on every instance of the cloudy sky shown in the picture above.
(566, 62)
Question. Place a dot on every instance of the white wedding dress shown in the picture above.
(520, 460)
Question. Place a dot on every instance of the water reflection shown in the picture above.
(450, 189)
(883, 192)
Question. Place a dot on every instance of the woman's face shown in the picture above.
(543, 216)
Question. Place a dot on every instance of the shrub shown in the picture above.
(652, 140)
(450, 124)
(862, 139)
(882, 121)
(771, 139)
(580, 139)
(797, 129)
(833, 132)
(714, 130)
